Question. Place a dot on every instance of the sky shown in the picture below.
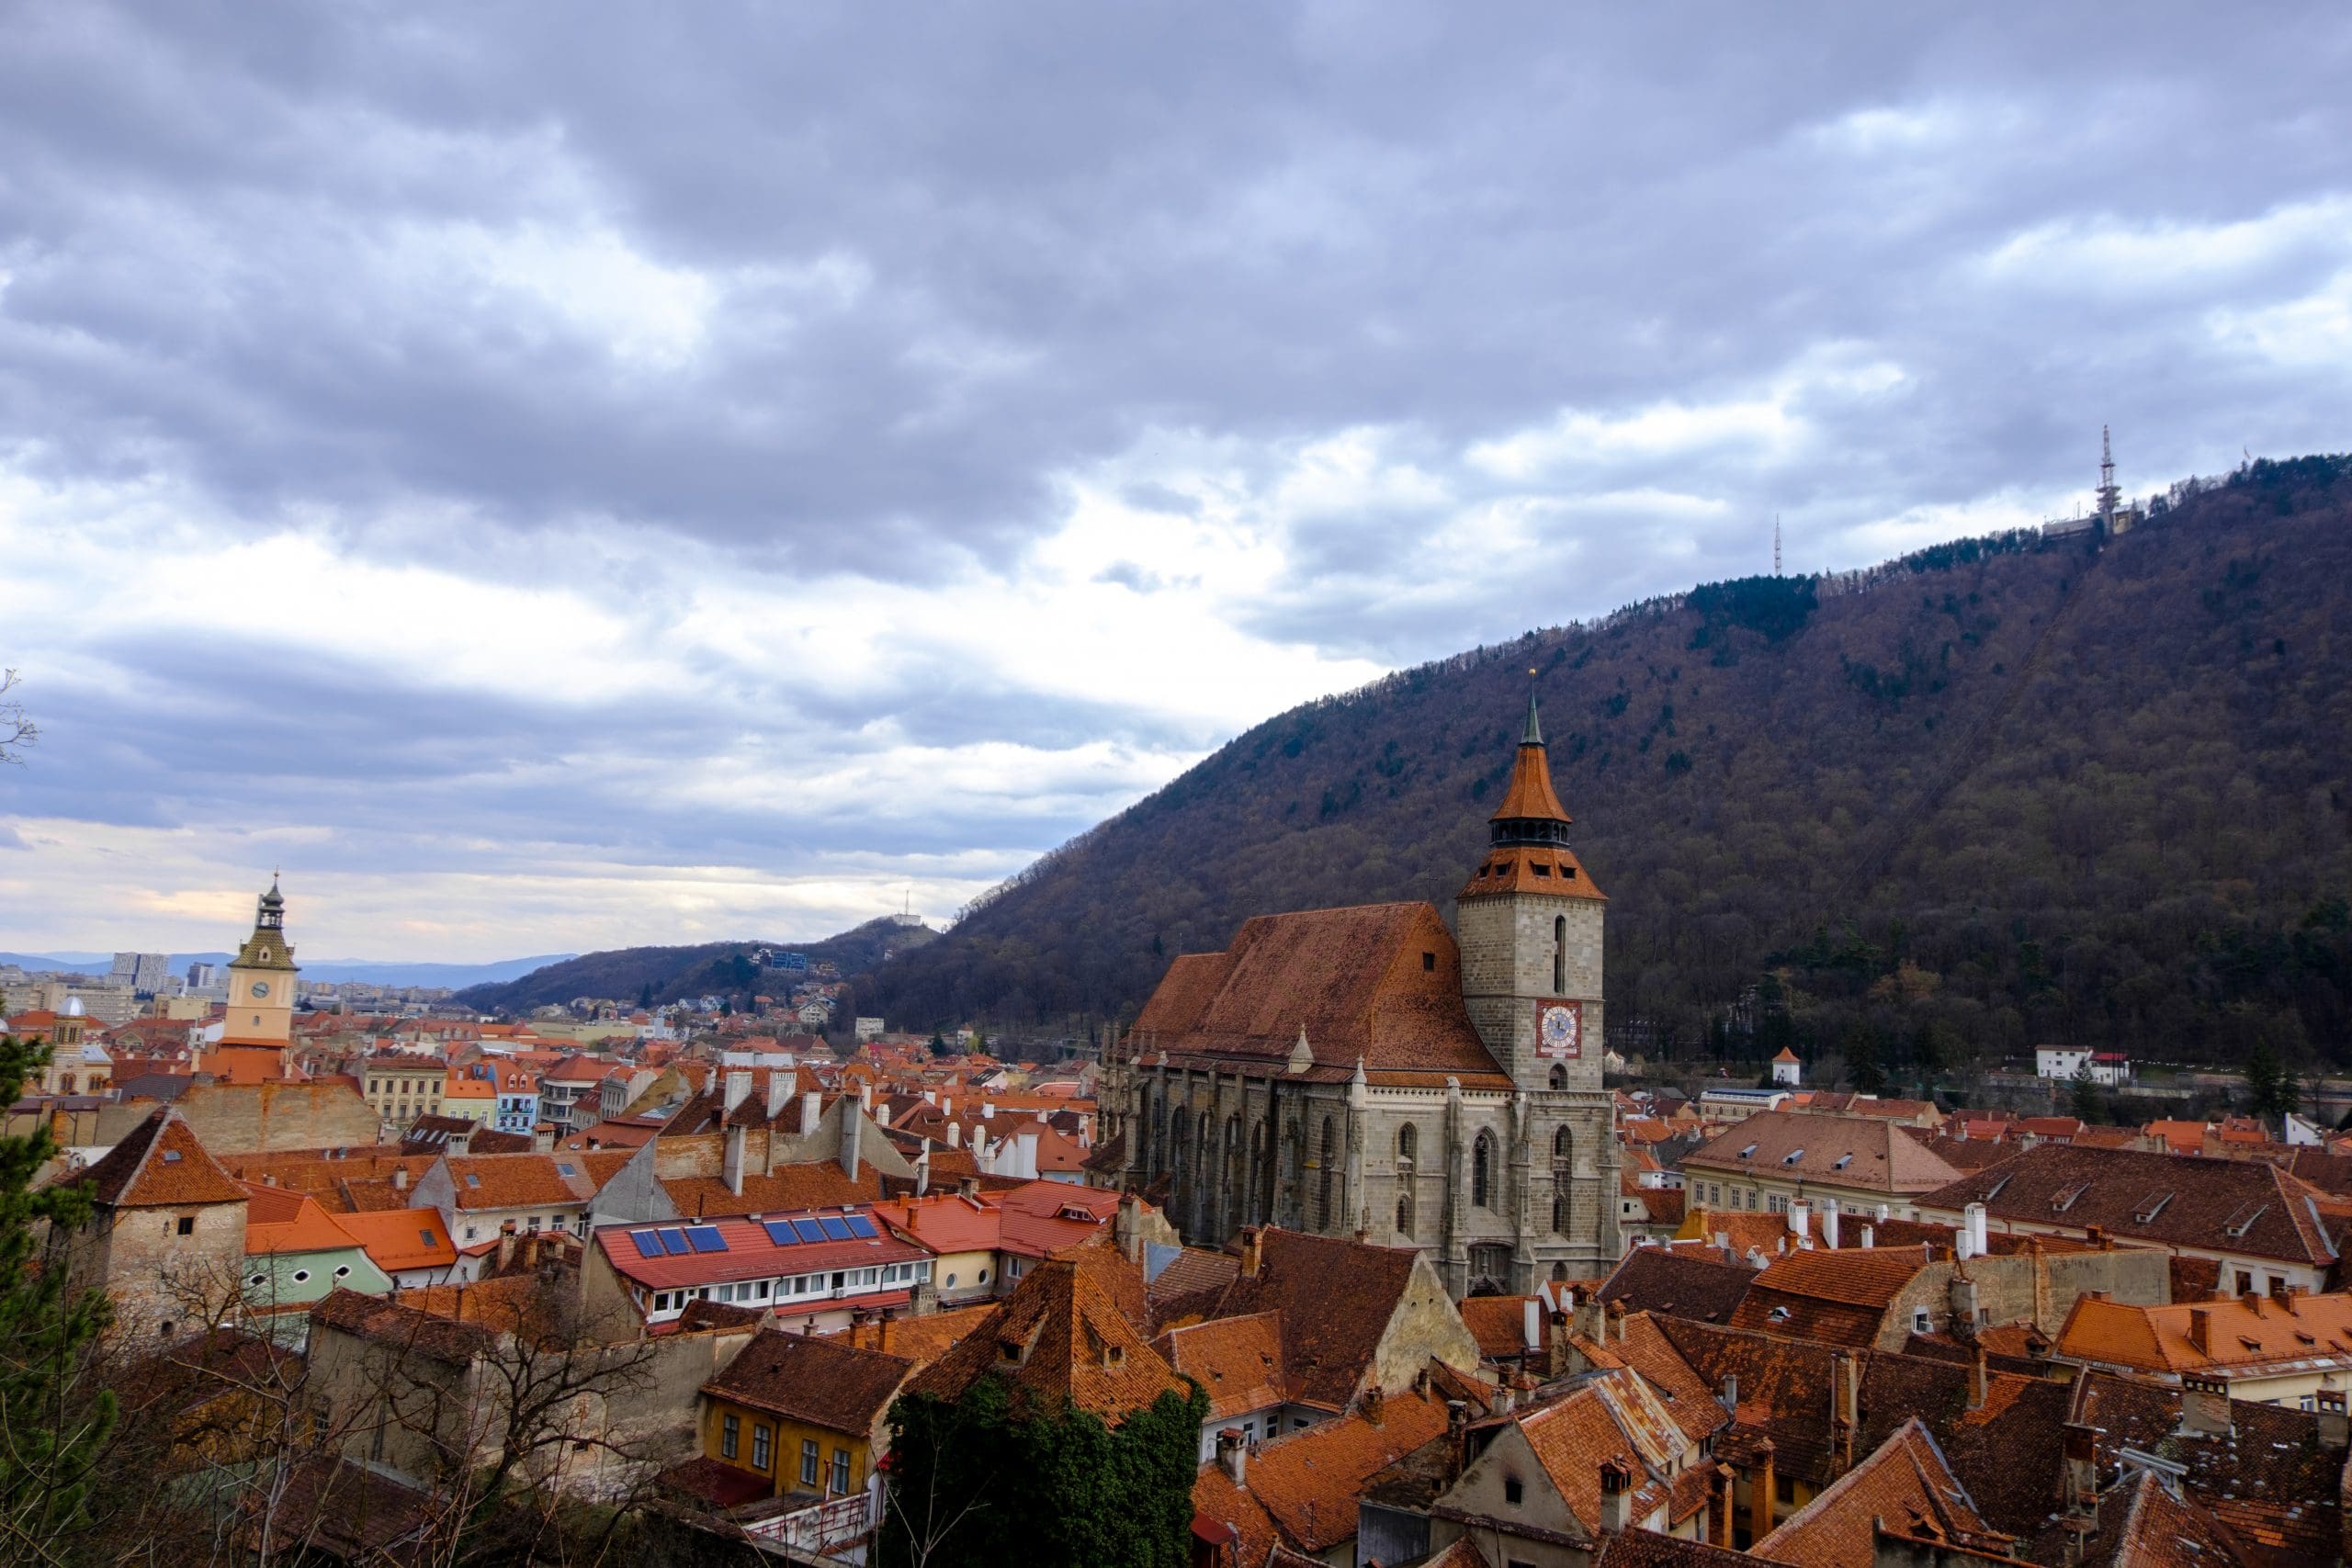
(563, 477)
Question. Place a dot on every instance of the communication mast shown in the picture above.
(1776, 544)
(2109, 497)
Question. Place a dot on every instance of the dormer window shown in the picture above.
(1793, 1156)
(1841, 1162)
(2065, 1197)
(2150, 1207)
(2242, 1221)
(1747, 1151)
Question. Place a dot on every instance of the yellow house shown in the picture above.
(805, 1415)
(476, 1100)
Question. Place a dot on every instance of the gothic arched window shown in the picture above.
(1408, 1140)
(1559, 953)
(1559, 1076)
(1560, 1213)
(1561, 1147)
(1405, 1213)
(1325, 1217)
(1482, 1164)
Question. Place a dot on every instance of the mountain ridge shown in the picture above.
(1955, 802)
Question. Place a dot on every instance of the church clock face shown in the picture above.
(1559, 1030)
(261, 989)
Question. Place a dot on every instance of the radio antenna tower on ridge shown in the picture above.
(1776, 544)
(2110, 495)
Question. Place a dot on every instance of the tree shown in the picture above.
(16, 730)
(52, 1426)
(645, 996)
(2083, 1098)
(2265, 1085)
(1859, 1045)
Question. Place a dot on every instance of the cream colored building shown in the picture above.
(2286, 1349)
(1772, 1159)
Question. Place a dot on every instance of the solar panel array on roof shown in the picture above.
(706, 1238)
(836, 1230)
(648, 1244)
(672, 1242)
(780, 1231)
(809, 1230)
(863, 1228)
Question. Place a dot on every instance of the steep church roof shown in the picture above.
(160, 1164)
(1379, 983)
(1528, 832)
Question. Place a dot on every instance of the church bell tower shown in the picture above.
(1530, 924)
(261, 980)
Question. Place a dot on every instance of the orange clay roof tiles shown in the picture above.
(1238, 1360)
(821, 1382)
(2243, 1333)
(1336, 1296)
(816, 1184)
(1352, 980)
(1614, 1417)
(403, 1239)
(1058, 1335)
(1877, 1155)
(160, 1164)
(1680, 1284)
(514, 1181)
(1306, 1484)
(278, 1222)
(1905, 1487)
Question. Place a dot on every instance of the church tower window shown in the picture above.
(1559, 953)
(1324, 1216)
(1482, 1166)
(1559, 1076)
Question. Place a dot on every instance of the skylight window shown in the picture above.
(1793, 1156)
(472, 1180)
(1841, 1162)
(1747, 1151)
(2150, 1207)
(2242, 1221)
(561, 1168)
(2065, 1199)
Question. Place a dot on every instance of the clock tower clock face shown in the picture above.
(1559, 1030)
(261, 987)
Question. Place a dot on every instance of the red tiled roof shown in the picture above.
(748, 1253)
(821, 1382)
(1238, 1360)
(1905, 1487)
(398, 1240)
(1302, 1488)
(1059, 1336)
(1352, 980)
(517, 1181)
(160, 1164)
(1336, 1296)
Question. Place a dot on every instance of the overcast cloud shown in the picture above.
(561, 477)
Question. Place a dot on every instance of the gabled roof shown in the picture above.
(1057, 1336)
(1905, 1487)
(160, 1164)
(1613, 1416)
(821, 1381)
(2246, 1207)
(278, 1222)
(1336, 1297)
(2251, 1331)
(1355, 982)
(1840, 1297)
(2142, 1524)
(515, 1182)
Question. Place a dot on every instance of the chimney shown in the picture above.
(2201, 1330)
(1759, 1493)
(1616, 1496)
(1372, 1404)
(1233, 1457)
(882, 1342)
(399, 1179)
(1974, 1218)
(1961, 1294)
(1829, 1225)
(866, 1097)
(922, 1169)
(1457, 1430)
(2204, 1405)
(1885, 1214)
(1726, 1506)
(1026, 1164)
(739, 1088)
(1869, 1237)
(1730, 1395)
(1127, 1228)
(812, 1106)
(1798, 1218)
(2334, 1433)
(1251, 1254)
(1530, 1324)
(505, 1246)
(955, 1134)
(730, 1163)
(1846, 1380)
(1979, 1377)
(988, 1110)
(852, 1122)
(779, 1091)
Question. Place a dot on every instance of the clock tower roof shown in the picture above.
(1528, 835)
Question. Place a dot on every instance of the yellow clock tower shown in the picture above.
(259, 1027)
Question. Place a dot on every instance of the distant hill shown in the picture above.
(718, 968)
(336, 970)
(2001, 791)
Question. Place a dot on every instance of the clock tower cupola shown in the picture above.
(261, 980)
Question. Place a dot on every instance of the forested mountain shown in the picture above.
(661, 975)
(2003, 792)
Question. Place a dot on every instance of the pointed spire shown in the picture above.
(1533, 734)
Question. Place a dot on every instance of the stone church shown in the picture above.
(1364, 1069)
